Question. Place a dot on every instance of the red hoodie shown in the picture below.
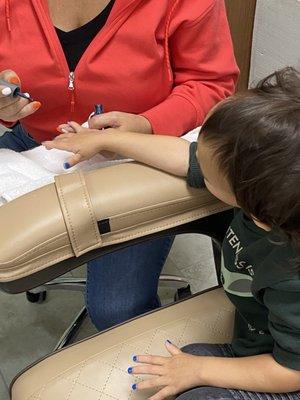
(169, 60)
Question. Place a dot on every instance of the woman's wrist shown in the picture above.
(146, 126)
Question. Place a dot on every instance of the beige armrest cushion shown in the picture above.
(37, 231)
(96, 369)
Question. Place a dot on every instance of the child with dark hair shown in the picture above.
(248, 155)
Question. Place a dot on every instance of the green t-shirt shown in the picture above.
(261, 277)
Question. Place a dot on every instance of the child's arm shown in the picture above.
(182, 372)
(167, 153)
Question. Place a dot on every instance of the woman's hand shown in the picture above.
(172, 375)
(14, 108)
(83, 142)
(122, 121)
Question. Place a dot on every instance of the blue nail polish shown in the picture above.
(168, 341)
(134, 386)
(129, 370)
(134, 358)
(67, 165)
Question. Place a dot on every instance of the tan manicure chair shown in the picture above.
(62, 225)
(59, 227)
(96, 368)
(65, 224)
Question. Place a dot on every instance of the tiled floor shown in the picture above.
(29, 331)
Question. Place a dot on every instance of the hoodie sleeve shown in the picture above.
(283, 303)
(204, 72)
(8, 125)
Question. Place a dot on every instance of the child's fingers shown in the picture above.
(64, 136)
(58, 144)
(150, 383)
(145, 369)
(156, 360)
(73, 160)
(172, 349)
(162, 394)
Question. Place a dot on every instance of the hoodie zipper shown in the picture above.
(71, 88)
(56, 46)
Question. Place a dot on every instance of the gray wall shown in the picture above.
(276, 41)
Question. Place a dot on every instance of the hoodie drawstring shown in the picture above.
(167, 31)
(7, 14)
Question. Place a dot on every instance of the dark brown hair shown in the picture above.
(256, 136)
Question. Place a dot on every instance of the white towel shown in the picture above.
(21, 173)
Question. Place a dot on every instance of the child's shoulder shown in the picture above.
(280, 269)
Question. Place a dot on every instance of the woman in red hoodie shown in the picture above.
(157, 66)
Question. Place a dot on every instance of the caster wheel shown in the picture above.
(183, 293)
(36, 297)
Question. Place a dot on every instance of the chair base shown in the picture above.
(38, 295)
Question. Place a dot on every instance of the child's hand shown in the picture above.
(172, 375)
(83, 142)
(122, 121)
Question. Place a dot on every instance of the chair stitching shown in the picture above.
(85, 196)
(75, 381)
(62, 197)
(109, 374)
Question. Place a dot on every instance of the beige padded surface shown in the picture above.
(78, 212)
(95, 369)
(138, 200)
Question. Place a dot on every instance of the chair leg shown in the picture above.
(173, 281)
(217, 251)
(72, 330)
(38, 294)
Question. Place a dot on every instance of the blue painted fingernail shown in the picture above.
(134, 358)
(168, 341)
(129, 370)
(134, 386)
(67, 165)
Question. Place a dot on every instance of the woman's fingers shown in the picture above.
(9, 105)
(65, 128)
(70, 127)
(77, 128)
(12, 108)
(19, 109)
(28, 109)
(110, 119)
(9, 76)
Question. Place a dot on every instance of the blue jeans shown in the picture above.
(124, 284)
(120, 285)
(17, 140)
(214, 393)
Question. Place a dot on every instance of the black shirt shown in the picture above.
(261, 276)
(75, 42)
